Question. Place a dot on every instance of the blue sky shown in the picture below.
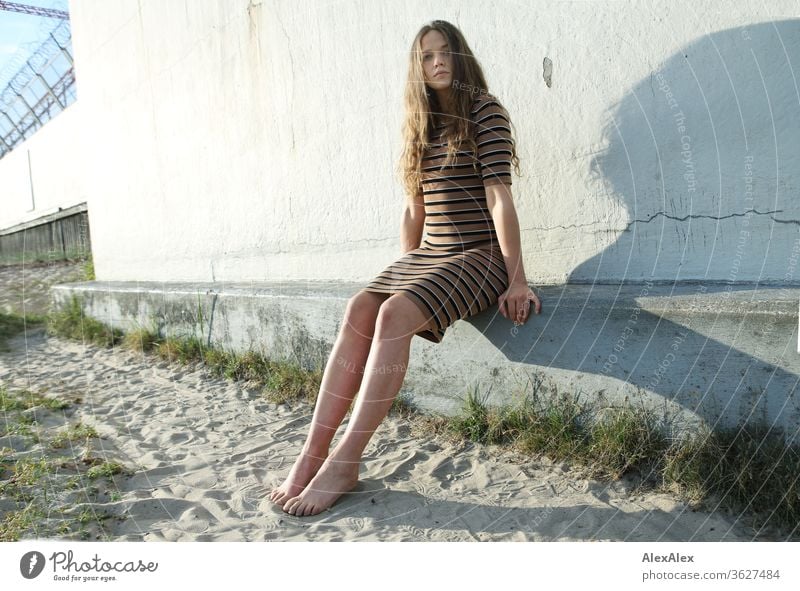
(24, 32)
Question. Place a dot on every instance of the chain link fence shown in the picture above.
(42, 88)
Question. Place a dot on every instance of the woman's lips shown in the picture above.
(440, 74)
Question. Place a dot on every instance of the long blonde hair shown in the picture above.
(422, 103)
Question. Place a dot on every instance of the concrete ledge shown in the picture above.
(712, 353)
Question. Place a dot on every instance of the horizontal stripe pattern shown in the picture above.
(459, 270)
(493, 137)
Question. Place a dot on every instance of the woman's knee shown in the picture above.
(362, 311)
(398, 317)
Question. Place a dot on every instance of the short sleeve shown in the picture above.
(494, 142)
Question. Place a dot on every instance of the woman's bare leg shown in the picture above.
(340, 382)
(398, 320)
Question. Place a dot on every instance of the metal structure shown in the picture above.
(43, 87)
(35, 10)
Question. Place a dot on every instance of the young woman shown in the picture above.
(457, 161)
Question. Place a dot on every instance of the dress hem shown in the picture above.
(427, 334)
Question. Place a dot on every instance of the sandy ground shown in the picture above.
(207, 452)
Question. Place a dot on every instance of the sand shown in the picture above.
(207, 451)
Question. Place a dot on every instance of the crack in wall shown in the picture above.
(713, 217)
(671, 217)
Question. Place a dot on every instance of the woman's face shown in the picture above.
(436, 59)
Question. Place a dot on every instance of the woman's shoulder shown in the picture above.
(486, 103)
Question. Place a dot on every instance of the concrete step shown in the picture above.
(719, 354)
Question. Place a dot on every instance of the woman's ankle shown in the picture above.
(315, 450)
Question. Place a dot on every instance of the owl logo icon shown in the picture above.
(31, 564)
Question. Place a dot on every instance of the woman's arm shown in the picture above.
(412, 224)
(504, 216)
(514, 303)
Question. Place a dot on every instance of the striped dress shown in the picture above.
(459, 269)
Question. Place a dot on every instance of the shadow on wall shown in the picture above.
(702, 159)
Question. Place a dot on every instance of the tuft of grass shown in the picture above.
(73, 433)
(15, 523)
(88, 269)
(141, 340)
(556, 429)
(15, 406)
(288, 381)
(70, 322)
(280, 381)
(183, 349)
(476, 422)
(105, 469)
(27, 399)
(403, 407)
(624, 439)
(29, 471)
(22, 425)
(248, 366)
(692, 464)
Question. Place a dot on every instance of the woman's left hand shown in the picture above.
(515, 302)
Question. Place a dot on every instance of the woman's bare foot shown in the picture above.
(334, 478)
(305, 467)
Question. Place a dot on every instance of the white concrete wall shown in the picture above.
(247, 140)
(41, 174)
